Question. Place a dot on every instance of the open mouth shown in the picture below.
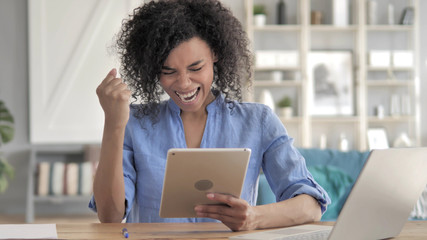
(188, 97)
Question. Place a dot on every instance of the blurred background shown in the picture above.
(54, 53)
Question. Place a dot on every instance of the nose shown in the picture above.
(183, 80)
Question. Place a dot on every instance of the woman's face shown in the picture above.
(187, 75)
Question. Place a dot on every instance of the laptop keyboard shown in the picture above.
(286, 234)
(318, 235)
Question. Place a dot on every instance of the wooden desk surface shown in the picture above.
(412, 230)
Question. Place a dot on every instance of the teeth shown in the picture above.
(185, 97)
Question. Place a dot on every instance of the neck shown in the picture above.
(202, 112)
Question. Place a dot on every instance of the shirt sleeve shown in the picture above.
(284, 167)
(129, 172)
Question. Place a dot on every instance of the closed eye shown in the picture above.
(167, 70)
(168, 73)
(196, 69)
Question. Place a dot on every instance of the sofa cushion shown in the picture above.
(334, 170)
(265, 195)
(350, 162)
(336, 183)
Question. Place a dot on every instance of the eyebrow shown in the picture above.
(191, 65)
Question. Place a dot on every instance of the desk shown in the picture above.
(412, 230)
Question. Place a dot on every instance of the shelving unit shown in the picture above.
(372, 86)
(50, 153)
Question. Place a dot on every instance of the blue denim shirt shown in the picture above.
(237, 125)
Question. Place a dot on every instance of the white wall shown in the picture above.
(14, 89)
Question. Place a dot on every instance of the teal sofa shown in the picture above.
(334, 170)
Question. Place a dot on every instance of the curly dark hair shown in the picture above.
(157, 27)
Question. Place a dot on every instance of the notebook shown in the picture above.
(379, 203)
(191, 173)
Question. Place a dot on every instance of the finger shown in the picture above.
(112, 73)
(113, 85)
(122, 86)
(225, 198)
(220, 217)
(125, 94)
(110, 76)
(233, 222)
(120, 92)
(113, 88)
(214, 208)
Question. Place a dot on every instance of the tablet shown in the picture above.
(191, 173)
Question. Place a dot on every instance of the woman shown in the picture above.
(197, 52)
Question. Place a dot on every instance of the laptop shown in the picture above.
(191, 173)
(379, 203)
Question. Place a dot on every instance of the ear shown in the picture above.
(214, 57)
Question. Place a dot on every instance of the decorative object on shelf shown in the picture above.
(405, 108)
(379, 111)
(277, 76)
(285, 107)
(379, 58)
(390, 14)
(402, 58)
(7, 131)
(323, 142)
(372, 12)
(343, 143)
(297, 76)
(267, 99)
(260, 15)
(395, 105)
(341, 15)
(265, 59)
(331, 76)
(407, 16)
(402, 140)
(287, 59)
(377, 138)
(276, 59)
(316, 17)
(281, 12)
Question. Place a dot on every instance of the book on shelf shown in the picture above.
(85, 178)
(56, 184)
(71, 179)
(65, 178)
(42, 187)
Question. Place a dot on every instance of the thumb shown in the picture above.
(112, 73)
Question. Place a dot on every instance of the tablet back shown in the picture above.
(191, 173)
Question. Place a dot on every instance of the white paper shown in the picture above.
(28, 231)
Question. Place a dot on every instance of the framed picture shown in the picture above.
(377, 138)
(331, 78)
